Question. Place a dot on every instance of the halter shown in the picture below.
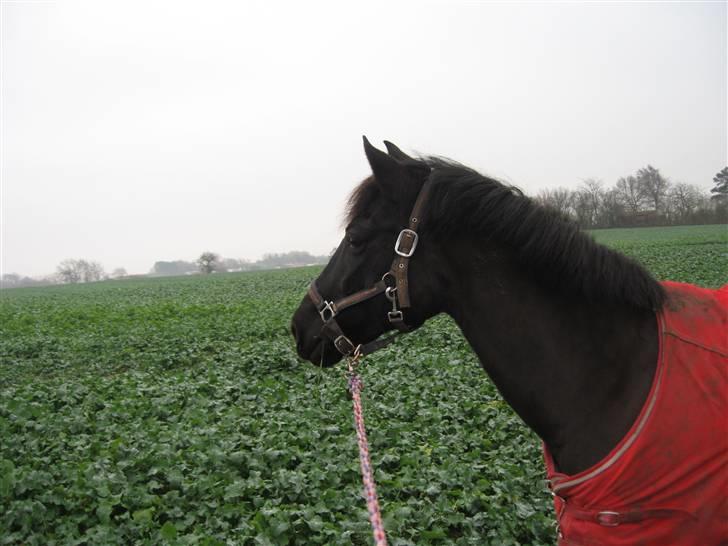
(394, 285)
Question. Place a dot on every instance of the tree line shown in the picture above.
(210, 262)
(71, 271)
(74, 271)
(645, 198)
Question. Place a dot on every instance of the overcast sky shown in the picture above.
(137, 132)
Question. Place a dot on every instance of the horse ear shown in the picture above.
(386, 169)
(396, 153)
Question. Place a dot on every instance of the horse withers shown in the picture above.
(624, 378)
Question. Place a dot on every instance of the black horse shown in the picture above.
(566, 328)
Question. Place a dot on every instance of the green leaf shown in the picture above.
(433, 534)
(7, 478)
(144, 515)
(168, 531)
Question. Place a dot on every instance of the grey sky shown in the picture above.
(136, 132)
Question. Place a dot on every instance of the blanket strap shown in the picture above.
(612, 518)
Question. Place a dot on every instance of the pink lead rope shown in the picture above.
(367, 476)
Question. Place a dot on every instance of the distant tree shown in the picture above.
(558, 199)
(654, 186)
(118, 272)
(69, 272)
(91, 271)
(593, 194)
(630, 194)
(75, 271)
(9, 280)
(720, 190)
(710, 211)
(612, 209)
(234, 264)
(581, 203)
(13, 280)
(683, 201)
(208, 262)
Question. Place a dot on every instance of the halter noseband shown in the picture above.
(394, 285)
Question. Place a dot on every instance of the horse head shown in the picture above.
(384, 262)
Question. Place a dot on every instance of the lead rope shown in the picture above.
(367, 475)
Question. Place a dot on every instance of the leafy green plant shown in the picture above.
(174, 411)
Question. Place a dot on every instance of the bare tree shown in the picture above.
(75, 271)
(68, 272)
(208, 262)
(683, 200)
(654, 185)
(612, 209)
(582, 208)
(91, 271)
(630, 194)
(593, 193)
(558, 199)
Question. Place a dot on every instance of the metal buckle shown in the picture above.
(608, 518)
(329, 307)
(415, 238)
(344, 345)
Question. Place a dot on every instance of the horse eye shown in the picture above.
(354, 242)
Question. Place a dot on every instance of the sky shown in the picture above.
(133, 132)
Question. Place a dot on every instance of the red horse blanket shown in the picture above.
(666, 482)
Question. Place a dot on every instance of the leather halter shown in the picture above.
(394, 285)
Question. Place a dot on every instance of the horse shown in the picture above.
(621, 376)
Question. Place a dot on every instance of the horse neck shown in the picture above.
(576, 373)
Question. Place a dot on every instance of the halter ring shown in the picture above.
(329, 307)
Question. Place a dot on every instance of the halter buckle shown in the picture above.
(330, 308)
(344, 345)
(412, 233)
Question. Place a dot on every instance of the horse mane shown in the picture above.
(548, 244)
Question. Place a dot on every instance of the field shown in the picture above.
(174, 411)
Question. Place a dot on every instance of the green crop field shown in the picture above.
(174, 411)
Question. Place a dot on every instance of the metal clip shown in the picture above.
(390, 293)
(395, 315)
